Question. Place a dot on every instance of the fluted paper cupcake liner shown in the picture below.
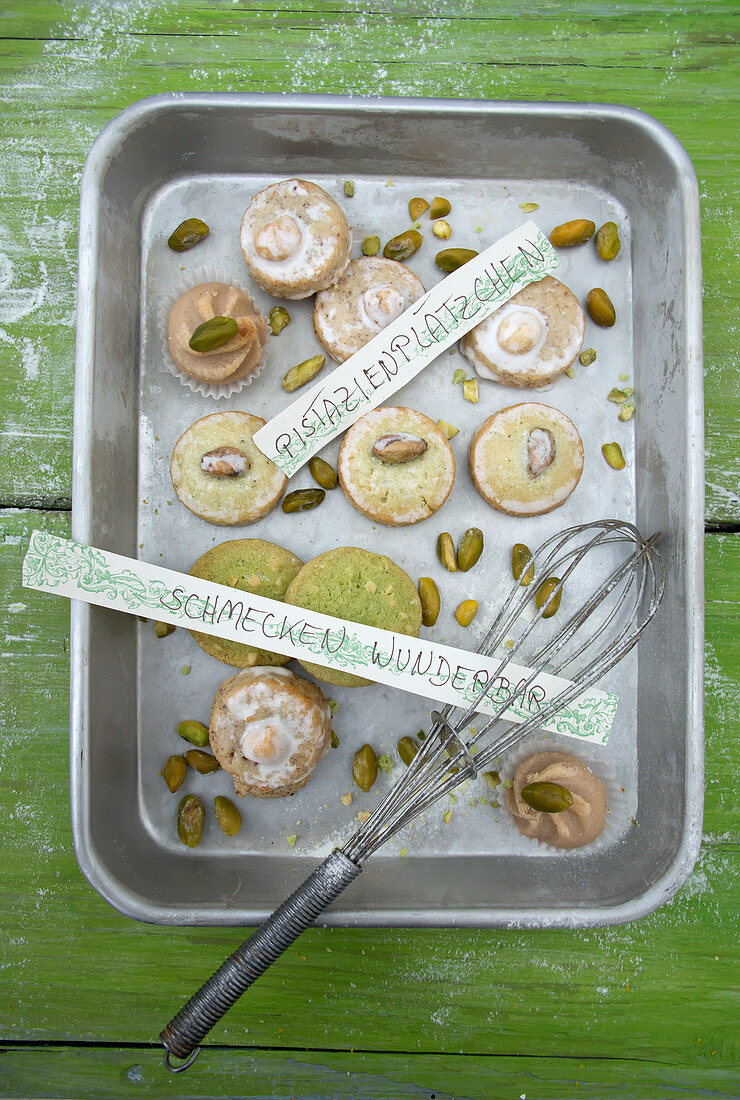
(206, 273)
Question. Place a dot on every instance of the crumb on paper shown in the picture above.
(529, 207)
(347, 798)
(385, 763)
(363, 815)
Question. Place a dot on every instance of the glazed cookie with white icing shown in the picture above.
(269, 728)
(396, 466)
(581, 822)
(526, 459)
(230, 361)
(371, 293)
(532, 339)
(295, 239)
(219, 473)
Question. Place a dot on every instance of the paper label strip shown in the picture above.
(398, 353)
(425, 668)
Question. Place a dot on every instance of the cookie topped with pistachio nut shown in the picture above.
(371, 293)
(557, 800)
(362, 587)
(215, 333)
(532, 339)
(526, 459)
(295, 239)
(219, 473)
(248, 565)
(396, 466)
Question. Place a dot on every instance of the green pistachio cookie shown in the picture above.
(249, 565)
(362, 587)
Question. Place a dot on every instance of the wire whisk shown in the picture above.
(617, 606)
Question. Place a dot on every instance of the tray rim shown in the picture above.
(103, 150)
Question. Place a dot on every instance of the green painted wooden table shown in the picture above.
(643, 1010)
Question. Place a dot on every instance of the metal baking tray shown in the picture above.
(175, 156)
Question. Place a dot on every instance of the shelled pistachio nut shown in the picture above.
(191, 816)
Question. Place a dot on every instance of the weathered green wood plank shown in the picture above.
(663, 989)
(95, 1074)
(66, 69)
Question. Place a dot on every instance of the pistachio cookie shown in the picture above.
(248, 565)
(295, 239)
(582, 819)
(269, 729)
(223, 324)
(532, 339)
(371, 293)
(396, 466)
(359, 586)
(219, 473)
(526, 459)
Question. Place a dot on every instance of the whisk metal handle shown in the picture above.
(183, 1034)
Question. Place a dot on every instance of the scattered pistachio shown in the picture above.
(194, 732)
(385, 763)
(163, 630)
(346, 799)
(447, 816)
(442, 229)
(422, 735)
(407, 750)
(628, 390)
(570, 372)
(333, 706)
(547, 798)
(471, 391)
(303, 500)
(302, 373)
(612, 452)
(349, 188)
(371, 246)
(430, 601)
(174, 772)
(492, 779)
(278, 319)
(440, 208)
(213, 334)
(600, 308)
(587, 357)
(545, 598)
(403, 852)
(322, 473)
(627, 411)
(191, 816)
(529, 207)
(608, 243)
(617, 397)
(447, 429)
(417, 207)
(466, 612)
(365, 767)
(459, 376)
(188, 234)
(185, 670)
(334, 740)
(290, 840)
(403, 245)
(446, 551)
(201, 761)
(228, 817)
(623, 377)
(572, 233)
(449, 259)
(470, 549)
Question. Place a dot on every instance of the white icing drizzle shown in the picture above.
(380, 304)
(518, 327)
(279, 240)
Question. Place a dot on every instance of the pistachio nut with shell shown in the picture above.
(399, 447)
(224, 461)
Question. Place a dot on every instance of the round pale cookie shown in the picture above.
(220, 475)
(575, 827)
(359, 586)
(371, 293)
(248, 565)
(526, 459)
(269, 729)
(295, 239)
(532, 339)
(236, 359)
(396, 466)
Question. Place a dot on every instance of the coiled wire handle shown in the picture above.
(215, 997)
